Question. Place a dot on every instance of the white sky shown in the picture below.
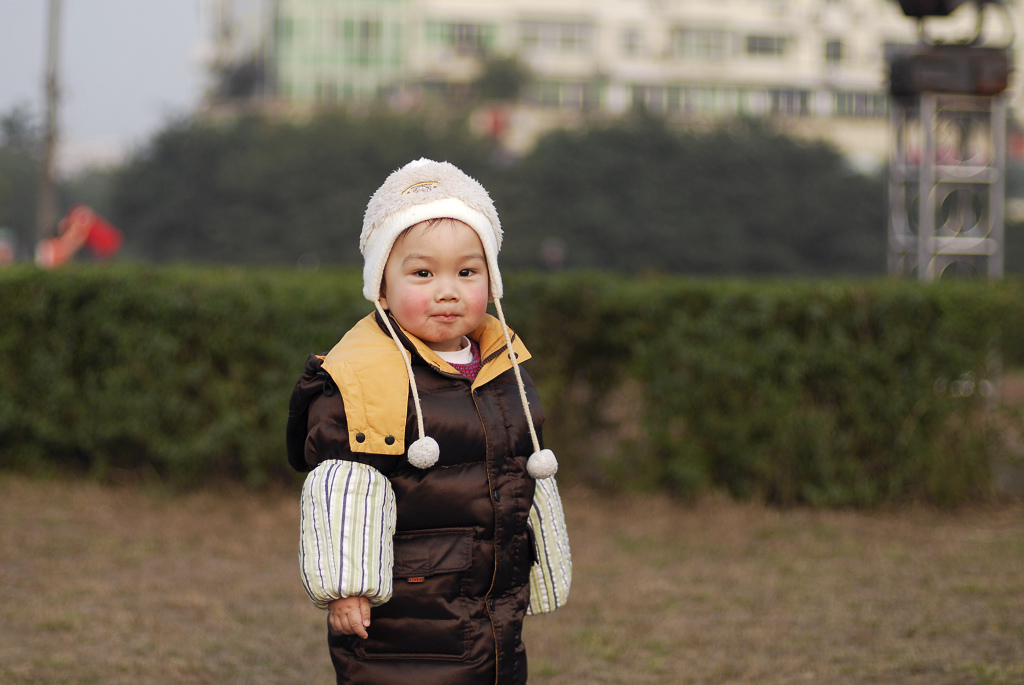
(127, 67)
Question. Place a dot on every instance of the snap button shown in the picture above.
(360, 437)
(389, 440)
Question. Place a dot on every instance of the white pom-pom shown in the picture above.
(423, 453)
(542, 464)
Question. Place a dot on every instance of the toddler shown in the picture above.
(431, 521)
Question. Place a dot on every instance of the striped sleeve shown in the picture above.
(551, 576)
(346, 528)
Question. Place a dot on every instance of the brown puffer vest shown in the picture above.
(462, 548)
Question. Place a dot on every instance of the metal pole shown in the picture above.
(926, 191)
(997, 189)
(897, 187)
(46, 216)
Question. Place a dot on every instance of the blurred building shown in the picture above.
(818, 66)
(237, 39)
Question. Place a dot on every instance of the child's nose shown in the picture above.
(446, 289)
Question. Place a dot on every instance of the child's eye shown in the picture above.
(467, 272)
(422, 273)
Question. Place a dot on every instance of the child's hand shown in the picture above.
(350, 615)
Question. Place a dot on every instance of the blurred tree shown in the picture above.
(502, 79)
(636, 196)
(241, 80)
(257, 190)
(93, 186)
(1013, 248)
(20, 146)
(740, 199)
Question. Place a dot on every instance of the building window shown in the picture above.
(710, 100)
(285, 29)
(566, 95)
(464, 39)
(861, 105)
(651, 98)
(361, 40)
(700, 43)
(368, 39)
(631, 42)
(326, 91)
(674, 98)
(766, 45)
(557, 37)
(834, 51)
(789, 101)
(471, 39)
(891, 49)
(689, 99)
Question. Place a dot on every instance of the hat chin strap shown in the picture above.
(424, 452)
(542, 463)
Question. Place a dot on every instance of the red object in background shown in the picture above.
(497, 122)
(82, 226)
(104, 240)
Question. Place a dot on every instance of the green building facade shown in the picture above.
(328, 51)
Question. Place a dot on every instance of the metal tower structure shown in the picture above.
(948, 156)
(946, 187)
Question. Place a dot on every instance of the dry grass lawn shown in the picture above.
(113, 585)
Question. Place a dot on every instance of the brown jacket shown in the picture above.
(463, 547)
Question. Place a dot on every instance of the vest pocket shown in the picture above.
(431, 552)
(427, 617)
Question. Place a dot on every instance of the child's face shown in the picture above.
(436, 283)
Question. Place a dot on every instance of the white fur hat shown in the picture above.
(419, 191)
(422, 190)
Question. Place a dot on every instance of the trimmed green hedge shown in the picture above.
(828, 393)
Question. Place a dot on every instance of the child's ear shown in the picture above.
(383, 299)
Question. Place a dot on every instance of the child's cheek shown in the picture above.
(423, 302)
(417, 303)
(479, 301)
(478, 298)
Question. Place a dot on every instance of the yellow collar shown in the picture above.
(371, 375)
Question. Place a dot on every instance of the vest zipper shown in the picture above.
(494, 495)
(494, 543)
